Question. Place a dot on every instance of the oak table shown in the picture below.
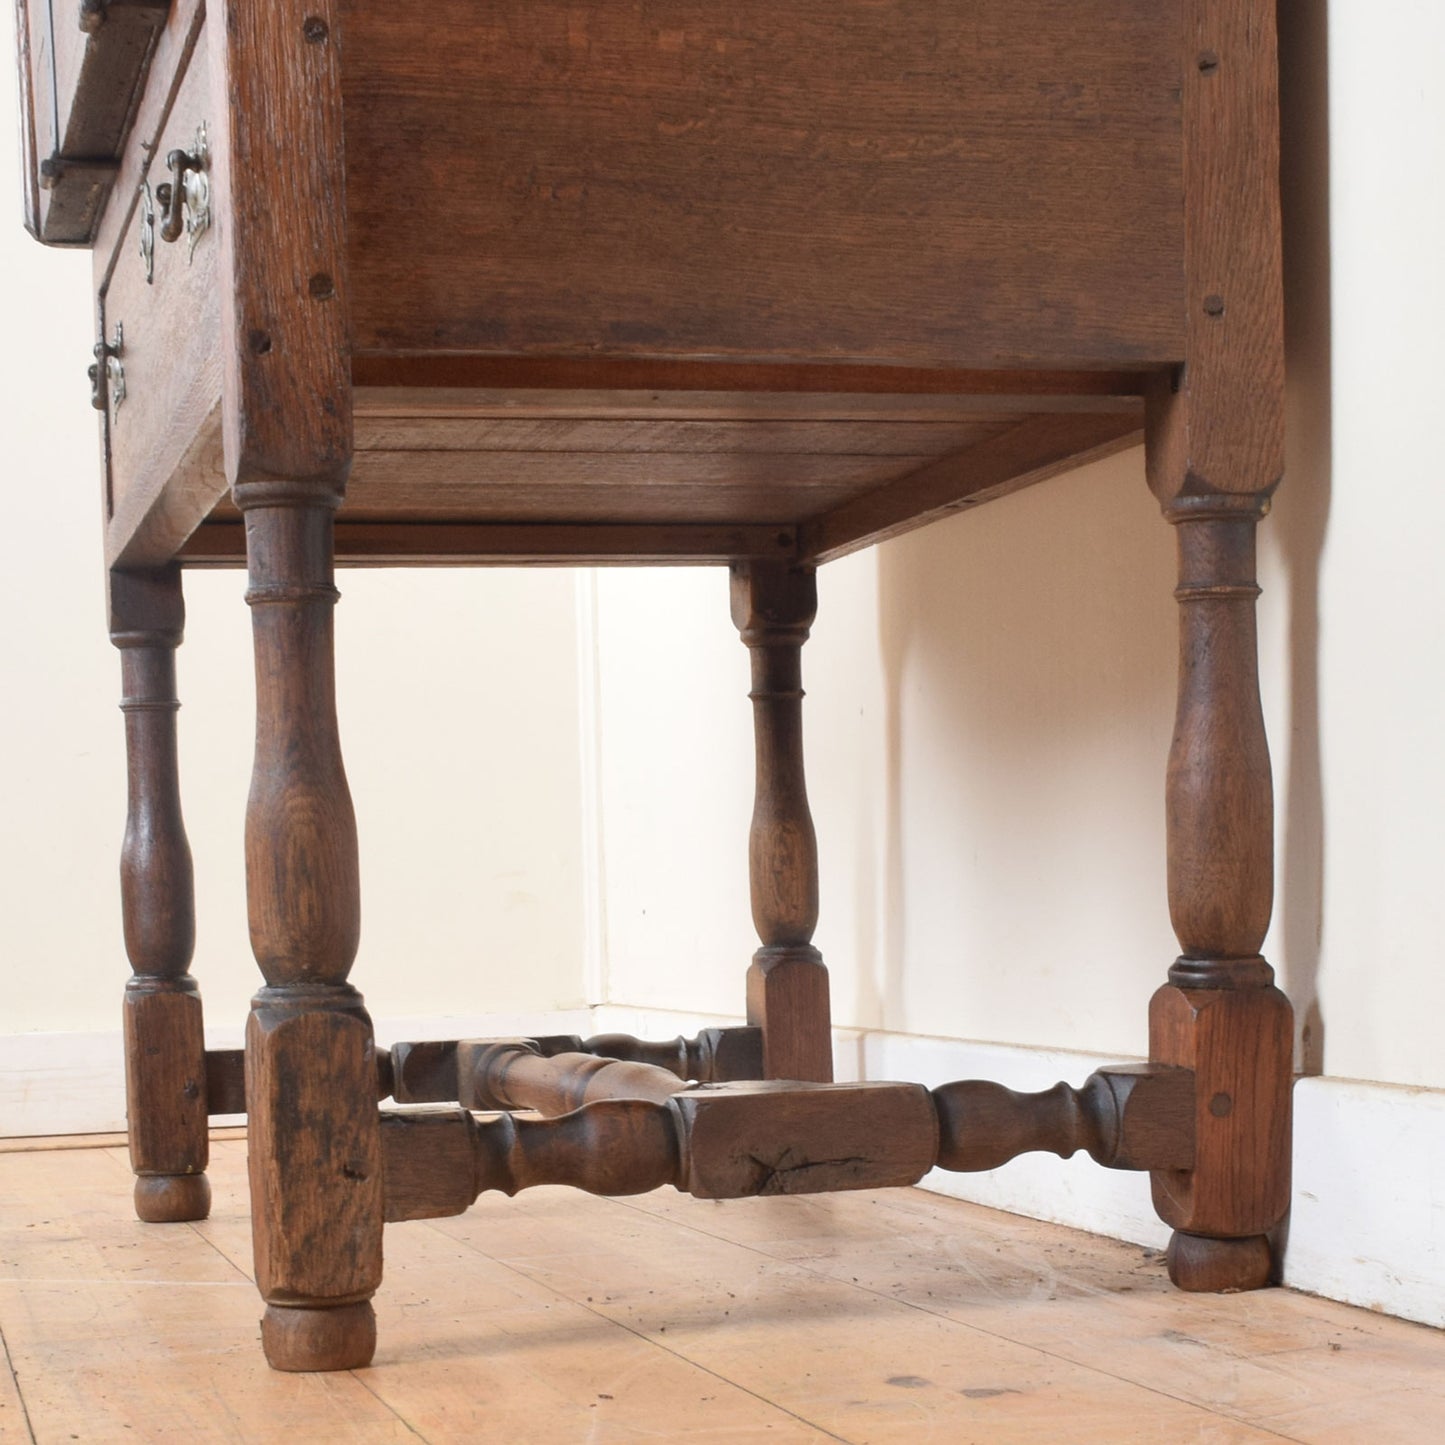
(657, 281)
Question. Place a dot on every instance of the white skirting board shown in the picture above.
(75, 1083)
(1367, 1224)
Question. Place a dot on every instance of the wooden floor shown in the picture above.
(888, 1316)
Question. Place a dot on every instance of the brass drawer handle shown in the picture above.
(185, 199)
(107, 374)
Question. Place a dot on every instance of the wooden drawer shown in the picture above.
(162, 298)
(974, 184)
(83, 68)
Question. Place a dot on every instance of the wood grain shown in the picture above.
(1220, 1015)
(773, 606)
(315, 1168)
(451, 372)
(1034, 449)
(1219, 789)
(749, 1140)
(466, 544)
(37, 119)
(494, 1074)
(162, 1030)
(661, 437)
(1139, 1117)
(1239, 1043)
(175, 49)
(82, 91)
(311, 1069)
(723, 1141)
(756, 394)
(802, 180)
(575, 492)
(159, 441)
(153, 523)
(426, 1072)
(1219, 425)
(285, 339)
(690, 1305)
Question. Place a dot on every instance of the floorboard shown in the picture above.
(887, 1316)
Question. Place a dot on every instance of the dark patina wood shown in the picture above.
(82, 70)
(773, 607)
(165, 1069)
(620, 1128)
(1215, 455)
(753, 285)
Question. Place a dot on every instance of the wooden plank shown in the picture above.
(410, 372)
(625, 402)
(14, 1419)
(463, 544)
(170, 313)
(87, 89)
(151, 522)
(1041, 447)
(175, 47)
(99, 73)
(658, 437)
(898, 1316)
(406, 481)
(1308, 1368)
(802, 180)
(714, 504)
(32, 45)
(120, 1330)
(859, 1366)
(45, 1143)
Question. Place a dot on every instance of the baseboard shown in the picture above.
(1367, 1224)
(74, 1083)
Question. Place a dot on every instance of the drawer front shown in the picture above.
(83, 70)
(161, 300)
(981, 183)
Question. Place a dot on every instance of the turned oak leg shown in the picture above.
(773, 606)
(1220, 1014)
(314, 1134)
(165, 1051)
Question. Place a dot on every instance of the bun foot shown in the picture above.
(341, 1338)
(172, 1198)
(1219, 1266)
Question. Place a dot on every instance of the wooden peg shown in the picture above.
(164, 1038)
(773, 607)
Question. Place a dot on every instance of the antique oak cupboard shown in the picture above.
(754, 284)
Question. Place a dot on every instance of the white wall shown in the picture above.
(458, 700)
(989, 704)
(990, 700)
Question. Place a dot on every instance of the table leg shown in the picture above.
(1220, 1014)
(773, 606)
(314, 1132)
(165, 1051)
